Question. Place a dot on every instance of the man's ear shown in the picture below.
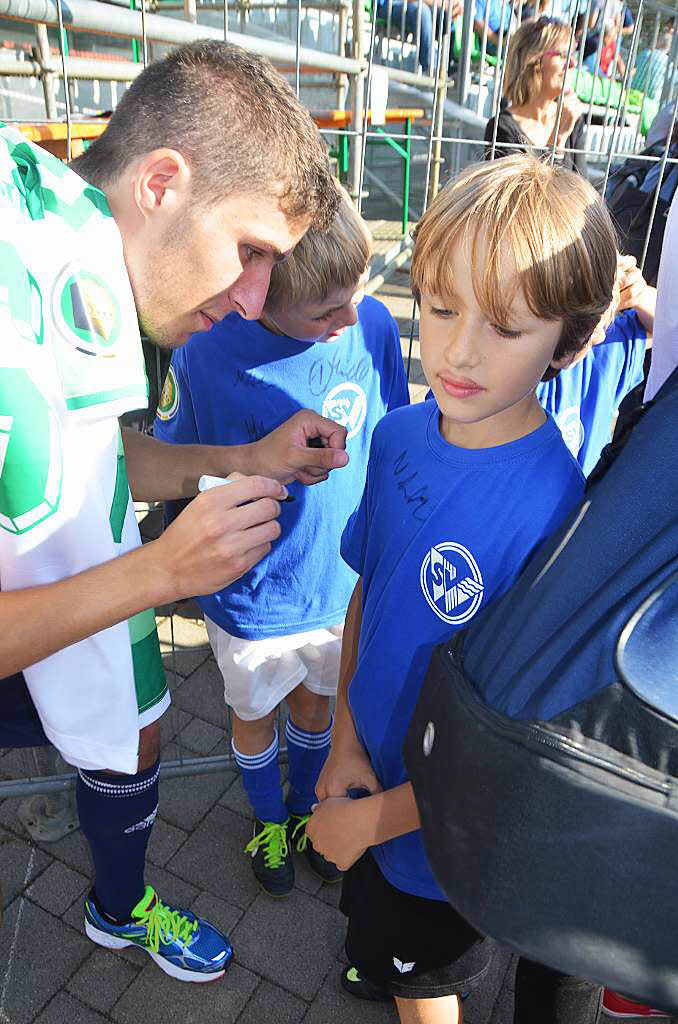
(161, 182)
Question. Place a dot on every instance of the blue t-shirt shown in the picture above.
(584, 398)
(237, 383)
(439, 532)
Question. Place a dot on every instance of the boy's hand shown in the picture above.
(344, 770)
(636, 293)
(284, 453)
(339, 830)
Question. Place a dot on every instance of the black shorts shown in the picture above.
(412, 947)
(20, 725)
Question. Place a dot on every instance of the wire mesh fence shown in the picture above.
(438, 72)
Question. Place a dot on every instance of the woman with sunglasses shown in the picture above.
(534, 78)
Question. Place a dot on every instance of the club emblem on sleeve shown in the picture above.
(87, 312)
(169, 399)
(451, 582)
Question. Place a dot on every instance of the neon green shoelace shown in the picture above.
(303, 838)
(163, 923)
(273, 837)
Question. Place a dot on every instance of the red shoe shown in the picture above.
(618, 1006)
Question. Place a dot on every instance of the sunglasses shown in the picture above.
(556, 53)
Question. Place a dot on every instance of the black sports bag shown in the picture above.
(544, 746)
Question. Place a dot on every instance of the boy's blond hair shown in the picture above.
(550, 221)
(529, 43)
(323, 262)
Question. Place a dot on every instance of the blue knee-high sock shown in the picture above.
(117, 814)
(306, 755)
(261, 779)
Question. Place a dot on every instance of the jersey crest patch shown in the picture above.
(87, 312)
(571, 427)
(169, 399)
(451, 582)
(346, 404)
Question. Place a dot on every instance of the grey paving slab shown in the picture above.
(221, 914)
(57, 888)
(156, 999)
(202, 694)
(213, 859)
(184, 802)
(101, 980)
(301, 937)
(272, 1003)
(30, 937)
(20, 863)
(183, 661)
(330, 894)
(72, 850)
(172, 722)
(170, 887)
(64, 1009)
(165, 840)
(236, 799)
(188, 633)
(334, 1006)
(200, 737)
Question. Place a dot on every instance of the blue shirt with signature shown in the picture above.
(440, 531)
(237, 383)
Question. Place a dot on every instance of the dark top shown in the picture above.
(508, 130)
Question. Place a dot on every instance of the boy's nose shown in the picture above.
(460, 350)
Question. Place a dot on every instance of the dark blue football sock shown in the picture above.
(306, 755)
(261, 779)
(116, 814)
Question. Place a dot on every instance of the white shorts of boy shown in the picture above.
(258, 674)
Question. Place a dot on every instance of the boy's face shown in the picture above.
(484, 374)
(321, 321)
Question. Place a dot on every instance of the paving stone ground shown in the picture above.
(288, 953)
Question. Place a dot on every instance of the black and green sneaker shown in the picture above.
(272, 857)
(298, 839)
(361, 988)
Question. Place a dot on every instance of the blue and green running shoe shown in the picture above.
(182, 945)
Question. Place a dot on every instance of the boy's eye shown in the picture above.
(444, 314)
(505, 332)
(323, 316)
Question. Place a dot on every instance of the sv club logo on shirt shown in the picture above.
(572, 428)
(346, 404)
(451, 582)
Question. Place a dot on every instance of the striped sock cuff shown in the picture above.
(253, 761)
(124, 788)
(309, 740)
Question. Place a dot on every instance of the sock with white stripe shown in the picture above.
(117, 814)
(306, 755)
(261, 779)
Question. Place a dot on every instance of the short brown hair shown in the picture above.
(529, 43)
(233, 117)
(552, 222)
(323, 261)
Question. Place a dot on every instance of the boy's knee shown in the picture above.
(309, 711)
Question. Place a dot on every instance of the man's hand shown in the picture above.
(284, 454)
(339, 830)
(346, 769)
(219, 536)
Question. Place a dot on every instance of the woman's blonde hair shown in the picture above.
(323, 262)
(522, 78)
(553, 225)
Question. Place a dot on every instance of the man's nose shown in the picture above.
(248, 295)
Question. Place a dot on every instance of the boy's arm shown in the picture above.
(156, 470)
(347, 766)
(343, 829)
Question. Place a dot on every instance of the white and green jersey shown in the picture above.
(70, 364)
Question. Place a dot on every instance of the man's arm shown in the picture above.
(221, 535)
(156, 470)
(347, 765)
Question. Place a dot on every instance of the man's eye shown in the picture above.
(252, 254)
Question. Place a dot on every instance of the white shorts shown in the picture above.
(258, 674)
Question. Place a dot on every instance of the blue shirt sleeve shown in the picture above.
(354, 538)
(627, 330)
(399, 393)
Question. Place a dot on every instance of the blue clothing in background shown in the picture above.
(584, 398)
(239, 382)
(440, 531)
(493, 16)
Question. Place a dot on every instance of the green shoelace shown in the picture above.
(303, 838)
(163, 923)
(273, 837)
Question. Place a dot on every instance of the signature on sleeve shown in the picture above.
(414, 493)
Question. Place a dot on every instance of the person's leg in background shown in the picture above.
(546, 996)
(429, 1011)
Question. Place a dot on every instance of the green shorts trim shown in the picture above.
(149, 673)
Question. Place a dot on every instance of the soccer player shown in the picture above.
(208, 174)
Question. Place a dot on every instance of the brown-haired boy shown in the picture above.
(514, 265)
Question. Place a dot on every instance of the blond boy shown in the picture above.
(276, 634)
(514, 264)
